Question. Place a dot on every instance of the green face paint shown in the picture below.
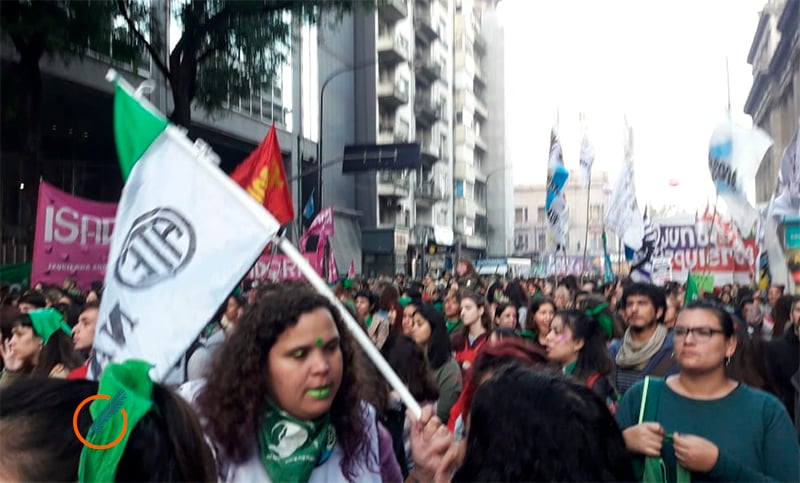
(320, 392)
(318, 342)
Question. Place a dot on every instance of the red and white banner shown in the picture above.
(72, 238)
(692, 249)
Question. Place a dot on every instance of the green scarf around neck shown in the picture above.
(291, 448)
(451, 326)
(570, 368)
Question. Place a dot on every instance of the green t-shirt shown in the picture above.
(751, 428)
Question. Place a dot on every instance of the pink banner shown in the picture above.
(280, 267)
(72, 238)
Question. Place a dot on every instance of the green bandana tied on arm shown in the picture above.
(291, 448)
(47, 322)
(130, 389)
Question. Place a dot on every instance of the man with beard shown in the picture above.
(647, 347)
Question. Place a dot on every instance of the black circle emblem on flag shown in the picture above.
(160, 243)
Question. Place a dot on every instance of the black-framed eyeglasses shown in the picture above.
(700, 333)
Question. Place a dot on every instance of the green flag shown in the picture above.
(135, 128)
(692, 293)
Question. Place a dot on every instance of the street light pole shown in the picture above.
(333, 75)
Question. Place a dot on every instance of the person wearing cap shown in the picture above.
(40, 345)
(140, 429)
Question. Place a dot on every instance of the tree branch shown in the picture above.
(224, 14)
(153, 52)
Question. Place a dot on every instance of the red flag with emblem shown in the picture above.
(263, 177)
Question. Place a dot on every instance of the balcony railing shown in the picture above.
(423, 24)
(430, 191)
(392, 48)
(393, 93)
(428, 70)
(394, 10)
(427, 110)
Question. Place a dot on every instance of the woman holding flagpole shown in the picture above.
(282, 400)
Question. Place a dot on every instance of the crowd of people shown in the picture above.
(534, 379)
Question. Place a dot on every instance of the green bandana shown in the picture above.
(368, 321)
(348, 283)
(528, 334)
(451, 326)
(47, 322)
(602, 319)
(291, 448)
(404, 301)
(130, 389)
(570, 367)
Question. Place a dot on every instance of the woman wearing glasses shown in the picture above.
(716, 428)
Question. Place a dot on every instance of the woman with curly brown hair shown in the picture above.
(282, 399)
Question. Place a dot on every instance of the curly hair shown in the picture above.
(233, 403)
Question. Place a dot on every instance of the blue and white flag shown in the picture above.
(556, 202)
(734, 154)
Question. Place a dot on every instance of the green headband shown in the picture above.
(604, 320)
(130, 389)
(47, 322)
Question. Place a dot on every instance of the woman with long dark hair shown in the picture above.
(577, 343)
(540, 316)
(40, 345)
(282, 399)
(163, 440)
(430, 333)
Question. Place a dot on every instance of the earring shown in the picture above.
(672, 356)
(728, 361)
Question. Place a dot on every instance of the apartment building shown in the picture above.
(414, 105)
(482, 174)
(774, 99)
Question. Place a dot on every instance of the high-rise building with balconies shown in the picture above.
(483, 205)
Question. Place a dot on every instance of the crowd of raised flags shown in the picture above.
(185, 235)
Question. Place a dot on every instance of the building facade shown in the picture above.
(774, 99)
(481, 172)
(532, 236)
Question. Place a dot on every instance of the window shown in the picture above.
(459, 188)
(541, 214)
(459, 117)
(595, 212)
(541, 242)
(518, 215)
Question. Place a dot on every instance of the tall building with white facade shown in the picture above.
(482, 174)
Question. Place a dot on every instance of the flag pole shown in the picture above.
(358, 333)
(588, 197)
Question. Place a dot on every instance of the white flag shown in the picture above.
(587, 159)
(623, 216)
(734, 153)
(185, 234)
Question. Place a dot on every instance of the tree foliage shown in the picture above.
(228, 48)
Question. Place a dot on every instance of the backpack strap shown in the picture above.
(662, 367)
(592, 380)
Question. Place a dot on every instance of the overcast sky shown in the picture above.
(660, 63)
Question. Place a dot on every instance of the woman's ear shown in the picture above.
(578, 343)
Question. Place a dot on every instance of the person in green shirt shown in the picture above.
(716, 428)
(452, 311)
